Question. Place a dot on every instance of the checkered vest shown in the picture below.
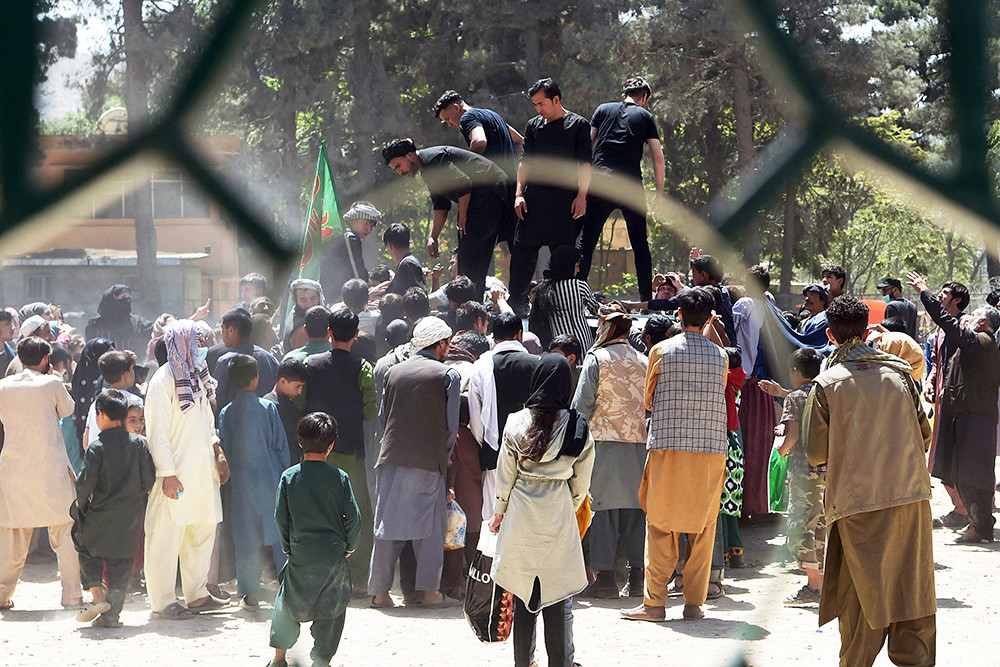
(689, 403)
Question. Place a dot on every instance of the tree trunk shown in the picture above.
(992, 261)
(137, 85)
(788, 245)
(743, 112)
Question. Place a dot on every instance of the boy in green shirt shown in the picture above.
(315, 583)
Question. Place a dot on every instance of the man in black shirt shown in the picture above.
(409, 273)
(899, 306)
(485, 131)
(476, 184)
(343, 259)
(619, 131)
(549, 210)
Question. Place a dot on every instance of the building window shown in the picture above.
(110, 198)
(176, 196)
(38, 287)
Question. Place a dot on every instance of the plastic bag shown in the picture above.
(777, 489)
(454, 536)
(489, 609)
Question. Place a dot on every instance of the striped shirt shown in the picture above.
(570, 299)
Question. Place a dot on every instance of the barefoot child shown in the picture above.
(320, 523)
(111, 493)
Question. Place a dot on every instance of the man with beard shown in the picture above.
(476, 184)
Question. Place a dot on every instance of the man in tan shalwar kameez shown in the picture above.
(686, 465)
(37, 485)
(879, 578)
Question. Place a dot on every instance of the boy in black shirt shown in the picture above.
(111, 494)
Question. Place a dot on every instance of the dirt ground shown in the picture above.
(750, 622)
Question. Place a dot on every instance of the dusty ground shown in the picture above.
(749, 621)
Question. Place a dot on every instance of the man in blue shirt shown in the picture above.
(485, 131)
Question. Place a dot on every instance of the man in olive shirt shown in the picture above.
(476, 184)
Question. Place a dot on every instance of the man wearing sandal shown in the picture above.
(184, 505)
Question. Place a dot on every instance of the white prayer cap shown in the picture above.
(429, 330)
(32, 324)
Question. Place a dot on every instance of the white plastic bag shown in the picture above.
(454, 537)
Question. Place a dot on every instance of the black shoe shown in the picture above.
(634, 586)
(603, 588)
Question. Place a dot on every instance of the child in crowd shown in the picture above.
(118, 370)
(135, 419)
(806, 525)
(253, 439)
(320, 525)
(286, 394)
(732, 489)
(111, 493)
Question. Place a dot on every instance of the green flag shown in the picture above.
(322, 221)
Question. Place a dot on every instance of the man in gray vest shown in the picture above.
(420, 410)
(686, 465)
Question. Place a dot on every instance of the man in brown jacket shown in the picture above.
(967, 418)
(879, 578)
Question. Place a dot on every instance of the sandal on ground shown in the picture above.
(444, 601)
(388, 604)
(6, 606)
(90, 612)
(715, 591)
(176, 612)
(103, 621)
(806, 595)
(211, 604)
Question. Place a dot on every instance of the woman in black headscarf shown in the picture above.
(561, 300)
(87, 381)
(116, 322)
(543, 476)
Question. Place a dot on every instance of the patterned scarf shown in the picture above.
(456, 353)
(856, 349)
(191, 378)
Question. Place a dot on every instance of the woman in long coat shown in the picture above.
(543, 476)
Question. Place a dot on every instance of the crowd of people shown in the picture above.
(595, 453)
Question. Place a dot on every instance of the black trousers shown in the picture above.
(119, 571)
(475, 250)
(523, 259)
(598, 210)
(554, 620)
(979, 504)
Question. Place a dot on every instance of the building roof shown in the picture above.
(96, 257)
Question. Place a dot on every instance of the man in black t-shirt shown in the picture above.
(409, 273)
(619, 131)
(476, 184)
(552, 181)
(485, 131)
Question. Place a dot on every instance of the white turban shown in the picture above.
(429, 330)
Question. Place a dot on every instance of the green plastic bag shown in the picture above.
(777, 490)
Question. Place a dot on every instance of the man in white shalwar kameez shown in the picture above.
(37, 485)
(184, 505)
